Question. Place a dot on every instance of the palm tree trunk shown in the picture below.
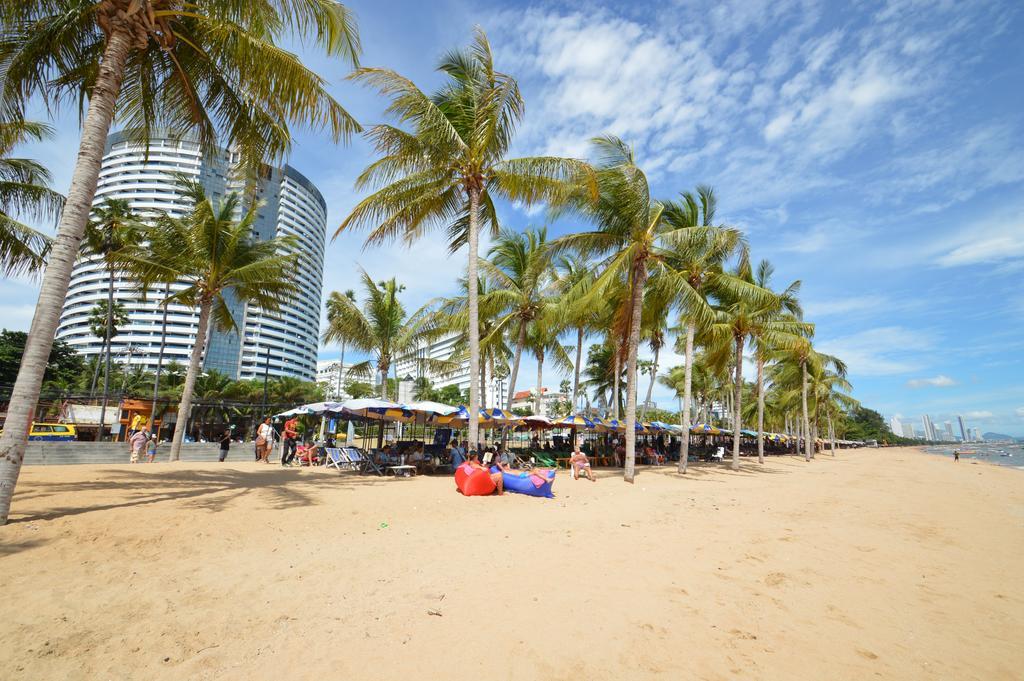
(684, 452)
(483, 383)
(650, 386)
(615, 384)
(520, 342)
(576, 378)
(831, 434)
(159, 361)
(540, 383)
(341, 369)
(737, 404)
(63, 254)
(636, 310)
(185, 406)
(806, 426)
(96, 369)
(474, 314)
(760, 408)
(108, 331)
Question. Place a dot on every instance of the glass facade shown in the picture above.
(288, 204)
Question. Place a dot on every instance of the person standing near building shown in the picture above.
(291, 432)
(225, 445)
(137, 442)
(264, 440)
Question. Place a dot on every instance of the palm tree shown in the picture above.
(449, 169)
(381, 328)
(573, 280)
(771, 324)
(452, 318)
(212, 69)
(542, 339)
(739, 316)
(351, 295)
(24, 191)
(520, 273)
(696, 261)
(211, 255)
(630, 226)
(113, 229)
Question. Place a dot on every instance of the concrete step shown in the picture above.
(66, 453)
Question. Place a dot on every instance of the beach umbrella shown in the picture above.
(536, 422)
(602, 426)
(704, 429)
(430, 408)
(575, 421)
(374, 409)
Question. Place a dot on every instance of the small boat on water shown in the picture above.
(968, 451)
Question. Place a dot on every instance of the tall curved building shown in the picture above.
(280, 344)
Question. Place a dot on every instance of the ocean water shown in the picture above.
(1008, 454)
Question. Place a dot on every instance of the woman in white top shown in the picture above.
(264, 440)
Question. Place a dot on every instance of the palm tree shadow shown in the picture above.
(210, 490)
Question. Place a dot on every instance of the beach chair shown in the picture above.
(362, 462)
(337, 458)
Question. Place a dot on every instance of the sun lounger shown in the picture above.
(401, 470)
(363, 463)
(338, 458)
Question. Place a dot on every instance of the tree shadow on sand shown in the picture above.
(206, 489)
(708, 471)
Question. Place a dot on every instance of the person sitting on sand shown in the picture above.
(580, 464)
(474, 462)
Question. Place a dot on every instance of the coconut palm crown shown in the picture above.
(448, 165)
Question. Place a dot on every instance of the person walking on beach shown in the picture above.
(264, 440)
(225, 445)
(291, 431)
(956, 455)
(151, 446)
(137, 442)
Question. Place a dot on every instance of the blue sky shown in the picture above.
(873, 150)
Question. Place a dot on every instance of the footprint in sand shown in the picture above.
(866, 654)
(775, 579)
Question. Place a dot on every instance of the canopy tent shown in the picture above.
(536, 422)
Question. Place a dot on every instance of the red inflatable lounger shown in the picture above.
(476, 483)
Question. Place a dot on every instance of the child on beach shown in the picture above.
(151, 446)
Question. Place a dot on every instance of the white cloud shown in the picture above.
(880, 351)
(982, 415)
(940, 381)
(844, 306)
(1019, 412)
(998, 239)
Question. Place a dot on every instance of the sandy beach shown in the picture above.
(887, 564)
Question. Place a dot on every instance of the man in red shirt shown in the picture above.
(291, 431)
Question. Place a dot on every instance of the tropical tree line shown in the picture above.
(217, 71)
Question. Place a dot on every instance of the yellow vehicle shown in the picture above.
(54, 432)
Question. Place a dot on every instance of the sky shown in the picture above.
(872, 150)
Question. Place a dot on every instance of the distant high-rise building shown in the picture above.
(895, 426)
(908, 431)
(976, 435)
(929, 429)
(963, 430)
(949, 431)
(282, 343)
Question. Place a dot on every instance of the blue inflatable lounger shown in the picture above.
(526, 483)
